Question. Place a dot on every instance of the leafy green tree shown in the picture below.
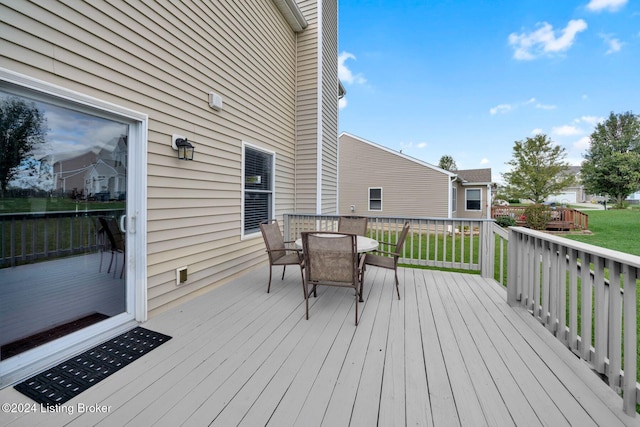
(22, 127)
(447, 163)
(612, 162)
(537, 170)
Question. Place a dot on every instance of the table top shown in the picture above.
(365, 244)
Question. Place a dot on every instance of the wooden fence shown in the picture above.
(561, 218)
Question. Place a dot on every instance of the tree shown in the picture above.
(537, 170)
(612, 162)
(22, 127)
(447, 163)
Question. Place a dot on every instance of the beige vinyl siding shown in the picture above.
(329, 106)
(318, 40)
(462, 202)
(307, 111)
(409, 188)
(163, 59)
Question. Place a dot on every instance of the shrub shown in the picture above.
(537, 216)
(505, 221)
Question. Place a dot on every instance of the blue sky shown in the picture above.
(469, 78)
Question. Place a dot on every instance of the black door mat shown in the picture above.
(68, 379)
(14, 348)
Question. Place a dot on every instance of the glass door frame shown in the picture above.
(24, 365)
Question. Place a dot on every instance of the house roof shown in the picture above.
(475, 176)
(400, 154)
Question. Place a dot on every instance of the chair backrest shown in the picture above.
(353, 225)
(115, 236)
(401, 238)
(273, 239)
(330, 257)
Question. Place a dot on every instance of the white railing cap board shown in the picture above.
(624, 258)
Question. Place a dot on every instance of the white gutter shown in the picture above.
(292, 13)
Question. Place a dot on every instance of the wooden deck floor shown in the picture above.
(451, 352)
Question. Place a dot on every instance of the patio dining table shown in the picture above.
(365, 244)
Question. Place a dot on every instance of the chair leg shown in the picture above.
(306, 299)
(357, 306)
(284, 268)
(269, 285)
(397, 286)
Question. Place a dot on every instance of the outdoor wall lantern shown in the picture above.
(184, 147)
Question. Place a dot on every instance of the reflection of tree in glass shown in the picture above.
(22, 128)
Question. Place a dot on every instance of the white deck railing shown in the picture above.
(591, 310)
(465, 244)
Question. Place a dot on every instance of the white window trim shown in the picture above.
(466, 192)
(369, 199)
(272, 214)
(16, 368)
(454, 200)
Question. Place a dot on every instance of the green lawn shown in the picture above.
(613, 229)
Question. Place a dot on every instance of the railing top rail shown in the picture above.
(624, 258)
(399, 218)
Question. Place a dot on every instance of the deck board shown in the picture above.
(449, 352)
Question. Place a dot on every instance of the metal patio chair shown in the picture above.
(353, 224)
(331, 259)
(116, 243)
(279, 253)
(389, 259)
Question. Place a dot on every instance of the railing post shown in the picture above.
(487, 249)
(629, 385)
(512, 268)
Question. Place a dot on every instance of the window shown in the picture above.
(474, 199)
(258, 187)
(375, 199)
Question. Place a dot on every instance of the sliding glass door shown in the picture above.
(64, 261)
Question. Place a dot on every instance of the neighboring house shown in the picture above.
(575, 193)
(377, 181)
(253, 87)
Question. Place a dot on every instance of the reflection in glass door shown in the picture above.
(63, 195)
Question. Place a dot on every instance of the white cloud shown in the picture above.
(610, 5)
(342, 102)
(566, 130)
(506, 108)
(422, 145)
(537, 131)
(614, 44)
(591, 120)
(484, 161)
(502, 108)
(345, 74)
(545, 107)
(582, 144)
(544, 41)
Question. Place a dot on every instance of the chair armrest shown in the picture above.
(387, 243)
(386, 252)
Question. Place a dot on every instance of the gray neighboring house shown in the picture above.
(377, 181)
